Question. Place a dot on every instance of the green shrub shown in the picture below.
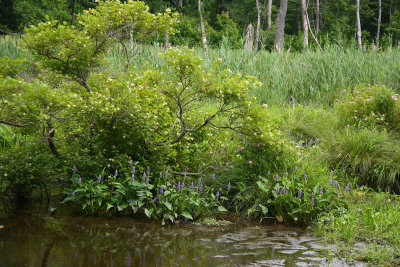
(12, 67)
(24, 169)
(370, 106)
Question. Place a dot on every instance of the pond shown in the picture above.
(37, 239)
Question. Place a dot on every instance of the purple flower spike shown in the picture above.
(79, 180)
(292, 181)
(295, 168)
(229, 186)
(335, 184)
(201, 188)
(332, 173)
(178, 187)
(305, 176)
(286, 174)
(74, 169)
(276, 178)
(73, 194)
(213, 177)
(192, 186)
(144, 175)
(154, 199)
(116, 173)
(332, 181)
(131, 163)
(312, 202)
(161, 190)
(166, 174)
(199, 181)
(348, 187)
(99, 179)
(186, 168)
(268, 172)
(133, 169)
(217, 195)
(277, 190)
(284, 191)
(148, 170)
(147, 180)
(133, 177)
(299, 194)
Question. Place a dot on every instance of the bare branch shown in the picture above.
(15, 124)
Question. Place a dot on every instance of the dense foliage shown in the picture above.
(333, 22)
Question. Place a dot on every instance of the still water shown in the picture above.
(35, 239)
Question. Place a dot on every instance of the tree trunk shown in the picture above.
(166, 41)
(358, 24)
(379, 23)
(269, 14)
(305, 26)
(180, 3)
(390, 13)
(258, 25)
(280, 26)
(203, 28)
(249, 38)
(50, 140)
(317, 17)
(73, 11)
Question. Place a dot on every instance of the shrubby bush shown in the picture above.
(370, 106)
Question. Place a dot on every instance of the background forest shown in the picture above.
(332, 22)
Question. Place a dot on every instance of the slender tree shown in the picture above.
(358, 23)
(280, 26)
(73, 10)
(269, 13)
(258, 25)
(379, 23)
(203, 28)
(305, 22)
(317, 13)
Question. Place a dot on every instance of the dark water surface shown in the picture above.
(29, 239)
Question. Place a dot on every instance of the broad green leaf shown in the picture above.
(168, 205)
(263, 209)
(187, 215)
(148, 212)
(222, 209)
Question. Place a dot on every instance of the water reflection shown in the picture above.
(36, 240)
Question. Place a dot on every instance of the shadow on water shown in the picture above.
(38, 239)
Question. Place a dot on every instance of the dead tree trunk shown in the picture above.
(203, 28)
(280, 26)
(358, 24)
(379, 23)
(258, 25)
(305, 21)
(166, 41)
(269, 13)
(249, 38)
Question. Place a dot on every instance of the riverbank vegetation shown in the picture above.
(123, 125)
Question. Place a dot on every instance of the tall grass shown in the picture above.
(310, 76)
(307, 77)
